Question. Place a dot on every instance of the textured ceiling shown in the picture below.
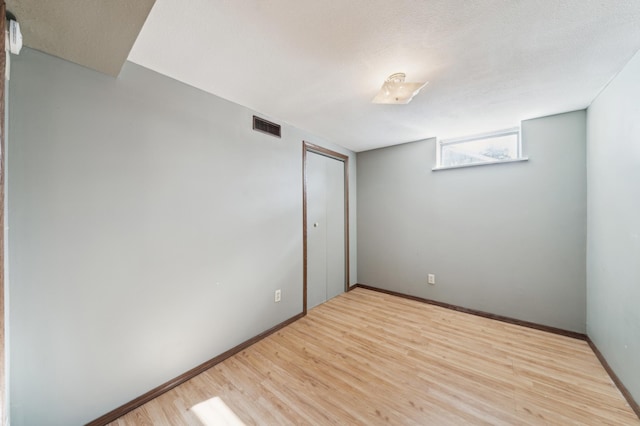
(318, 64)
(97, 34)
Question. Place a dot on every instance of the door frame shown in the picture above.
(3, 322)
(316, 149)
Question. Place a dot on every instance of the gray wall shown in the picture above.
(613, 244)
(507, 239)
(7, 348)
(149, 228)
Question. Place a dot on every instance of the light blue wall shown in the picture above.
(507, 239)
(613, 244)
(149, 228)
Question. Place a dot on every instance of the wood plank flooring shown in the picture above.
(369, 358)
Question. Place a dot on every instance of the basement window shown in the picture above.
(490, 148)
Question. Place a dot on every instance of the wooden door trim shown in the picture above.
(3, 375)
(309, 147)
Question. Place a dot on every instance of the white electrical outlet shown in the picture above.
(278, 296)
(431, 279)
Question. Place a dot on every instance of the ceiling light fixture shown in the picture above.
(396, 91)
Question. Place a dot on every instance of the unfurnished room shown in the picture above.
(279, 212)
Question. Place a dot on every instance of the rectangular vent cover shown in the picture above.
(264, 126)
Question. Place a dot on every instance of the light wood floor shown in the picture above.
(369, 358)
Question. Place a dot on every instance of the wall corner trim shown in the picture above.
(541, 327)
(621, 387)
(165, 387)
(623, 390)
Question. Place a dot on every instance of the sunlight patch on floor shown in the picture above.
(214, 412)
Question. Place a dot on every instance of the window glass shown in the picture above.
(503, 146)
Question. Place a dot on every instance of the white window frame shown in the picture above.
(443, 143)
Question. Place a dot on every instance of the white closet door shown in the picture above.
(325, 228)
(335, 234)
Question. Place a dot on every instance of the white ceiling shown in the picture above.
(318, 64)
(92, 33)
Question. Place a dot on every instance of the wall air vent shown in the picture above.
(264, 126)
